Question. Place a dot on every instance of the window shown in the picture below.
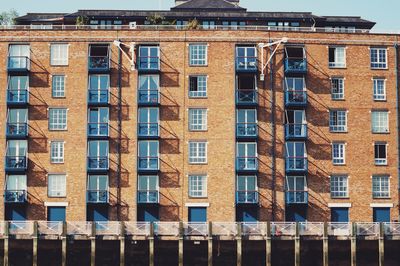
(246, 189)
(16, 183)
(56, 214)
(197, 186)
(339, 215)
(148, 189)
(380, 122)
(296, 189)
(337, 57)
(197, 119)
(338, 121)
(295, 84)
(197, 152)
(379, 89)
(56, 186)
(19, 56)
(197, 86)
(339, 187)
(97, 189)
(380, 187)
(198, 54)
(338, 153)
(148, 155)
(381, 215)
(58, 86)
(246, 156)
(197, 214)
(337, 88)
(59, 54)
(378, 58)
(380, 153)
(57, 152)
(58, 119)
(208, 24)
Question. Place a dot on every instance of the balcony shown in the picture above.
(15, 196)
(246, 64)
(148, 164)
(18, 64)
(296, 197)
(246, 98)
(148, 196)
(247, 197)
(97, 163)
(98, 64)
(148, 64)
(17, 130)
(17, 97)
(97, 196)
(246, 164)
(98, 97)
(296, 164)
(296, 98)
(148, 130)
(295, 131)
(16, 163)
(246, 130)
(97, 130)
(295, 66)
(148, 97)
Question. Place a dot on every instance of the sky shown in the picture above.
(384, 12)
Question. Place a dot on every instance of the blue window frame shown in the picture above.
(56, 214)
(197, 214)
(340, 215)
(381, 215)
(148, 214)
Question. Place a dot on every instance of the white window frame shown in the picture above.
(339, 153)
(337, 83)
(335, 127)
(196, 181)
(379, 64)
(57, 151)
(58, 86)
(195, 57)
(60, 190)
(339, 186)
(379, 190)
(201, 86)
(379, 90)
(58, 125)
(197, 152)
(198, 115)
(59, 53)
(381, 161)
(337, 62)
(380, 127)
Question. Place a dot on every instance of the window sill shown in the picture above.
(199, 197)
(198, 65)
(382, 133)
(198, 163)
(334, 131)
(194, 97)
(338, 99)
(339, 164)
(337, 67)
(377, 164)
(57, 162)
(381, 198)
(203, 130)
(338, 198)
(57, 197)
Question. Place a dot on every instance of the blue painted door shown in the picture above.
(248, 214)
(197, 214)
(15, 213)
(56, 214)
(296, 214)
(340, 215)
(382, 215)
(148, 214)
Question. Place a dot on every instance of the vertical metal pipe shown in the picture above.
(119, 85)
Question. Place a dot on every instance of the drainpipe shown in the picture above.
(119, 85)
(273, 128)
(396, 46)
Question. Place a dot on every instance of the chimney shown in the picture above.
(179, 2)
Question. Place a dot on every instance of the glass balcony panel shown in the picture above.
(17, 129)
(295, 65)
(148, 97)
(148, 163)
(247, 196)
(246, 129)
(99, 63)
(246, 97)
(98, 96)
(18, 63)
(148, 130)
(98, 163)
(97, 196)
(247, 163)
(16, 162)
(98, 129)
(297, 197)
(15, 196)
(148, 196)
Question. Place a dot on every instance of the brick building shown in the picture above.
(204, 113)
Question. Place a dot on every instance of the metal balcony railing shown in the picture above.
(98, 63)
(148, 130)
(195, 229)
(97, 129)
(296, 197)
(392, 229)
(97, 196)
(109, 228)
(246, 97)
(137, 228)
(18, 63)
(97, 163)
(15, 196)
(79, 228)
(148, 196)
(296, 131)
(224, 229)
(311, 229)
(246, 196)
(17, 130)
(339, 229)
(21, 228)
(16, 163)
(295, 164)
(148, 163)
(295, 65)
(50, 228)
(148, 63)
(295, 97)
(246, 64)
(246, 163)
(166, 228)
(367, 229)
(148, 97)
(98, 97)
(245, 130)
(283, 228)
(17, 96)
(254, 228)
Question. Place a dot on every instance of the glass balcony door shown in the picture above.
(296, 187)
(246, 189)
(148, 189)
(149, 57)
(148, 88)
(18, 89)
(148, 121)
(247, 155)
(17, 122)
(296, 155)
(18, 56)
(97, 189)
(247, 122)
(99, 86)
(98, 154)
(98, 121)
(148, 155)
(296, 123)
(15, 188)
(246, 58)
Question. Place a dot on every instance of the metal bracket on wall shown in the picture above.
(266, 45)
